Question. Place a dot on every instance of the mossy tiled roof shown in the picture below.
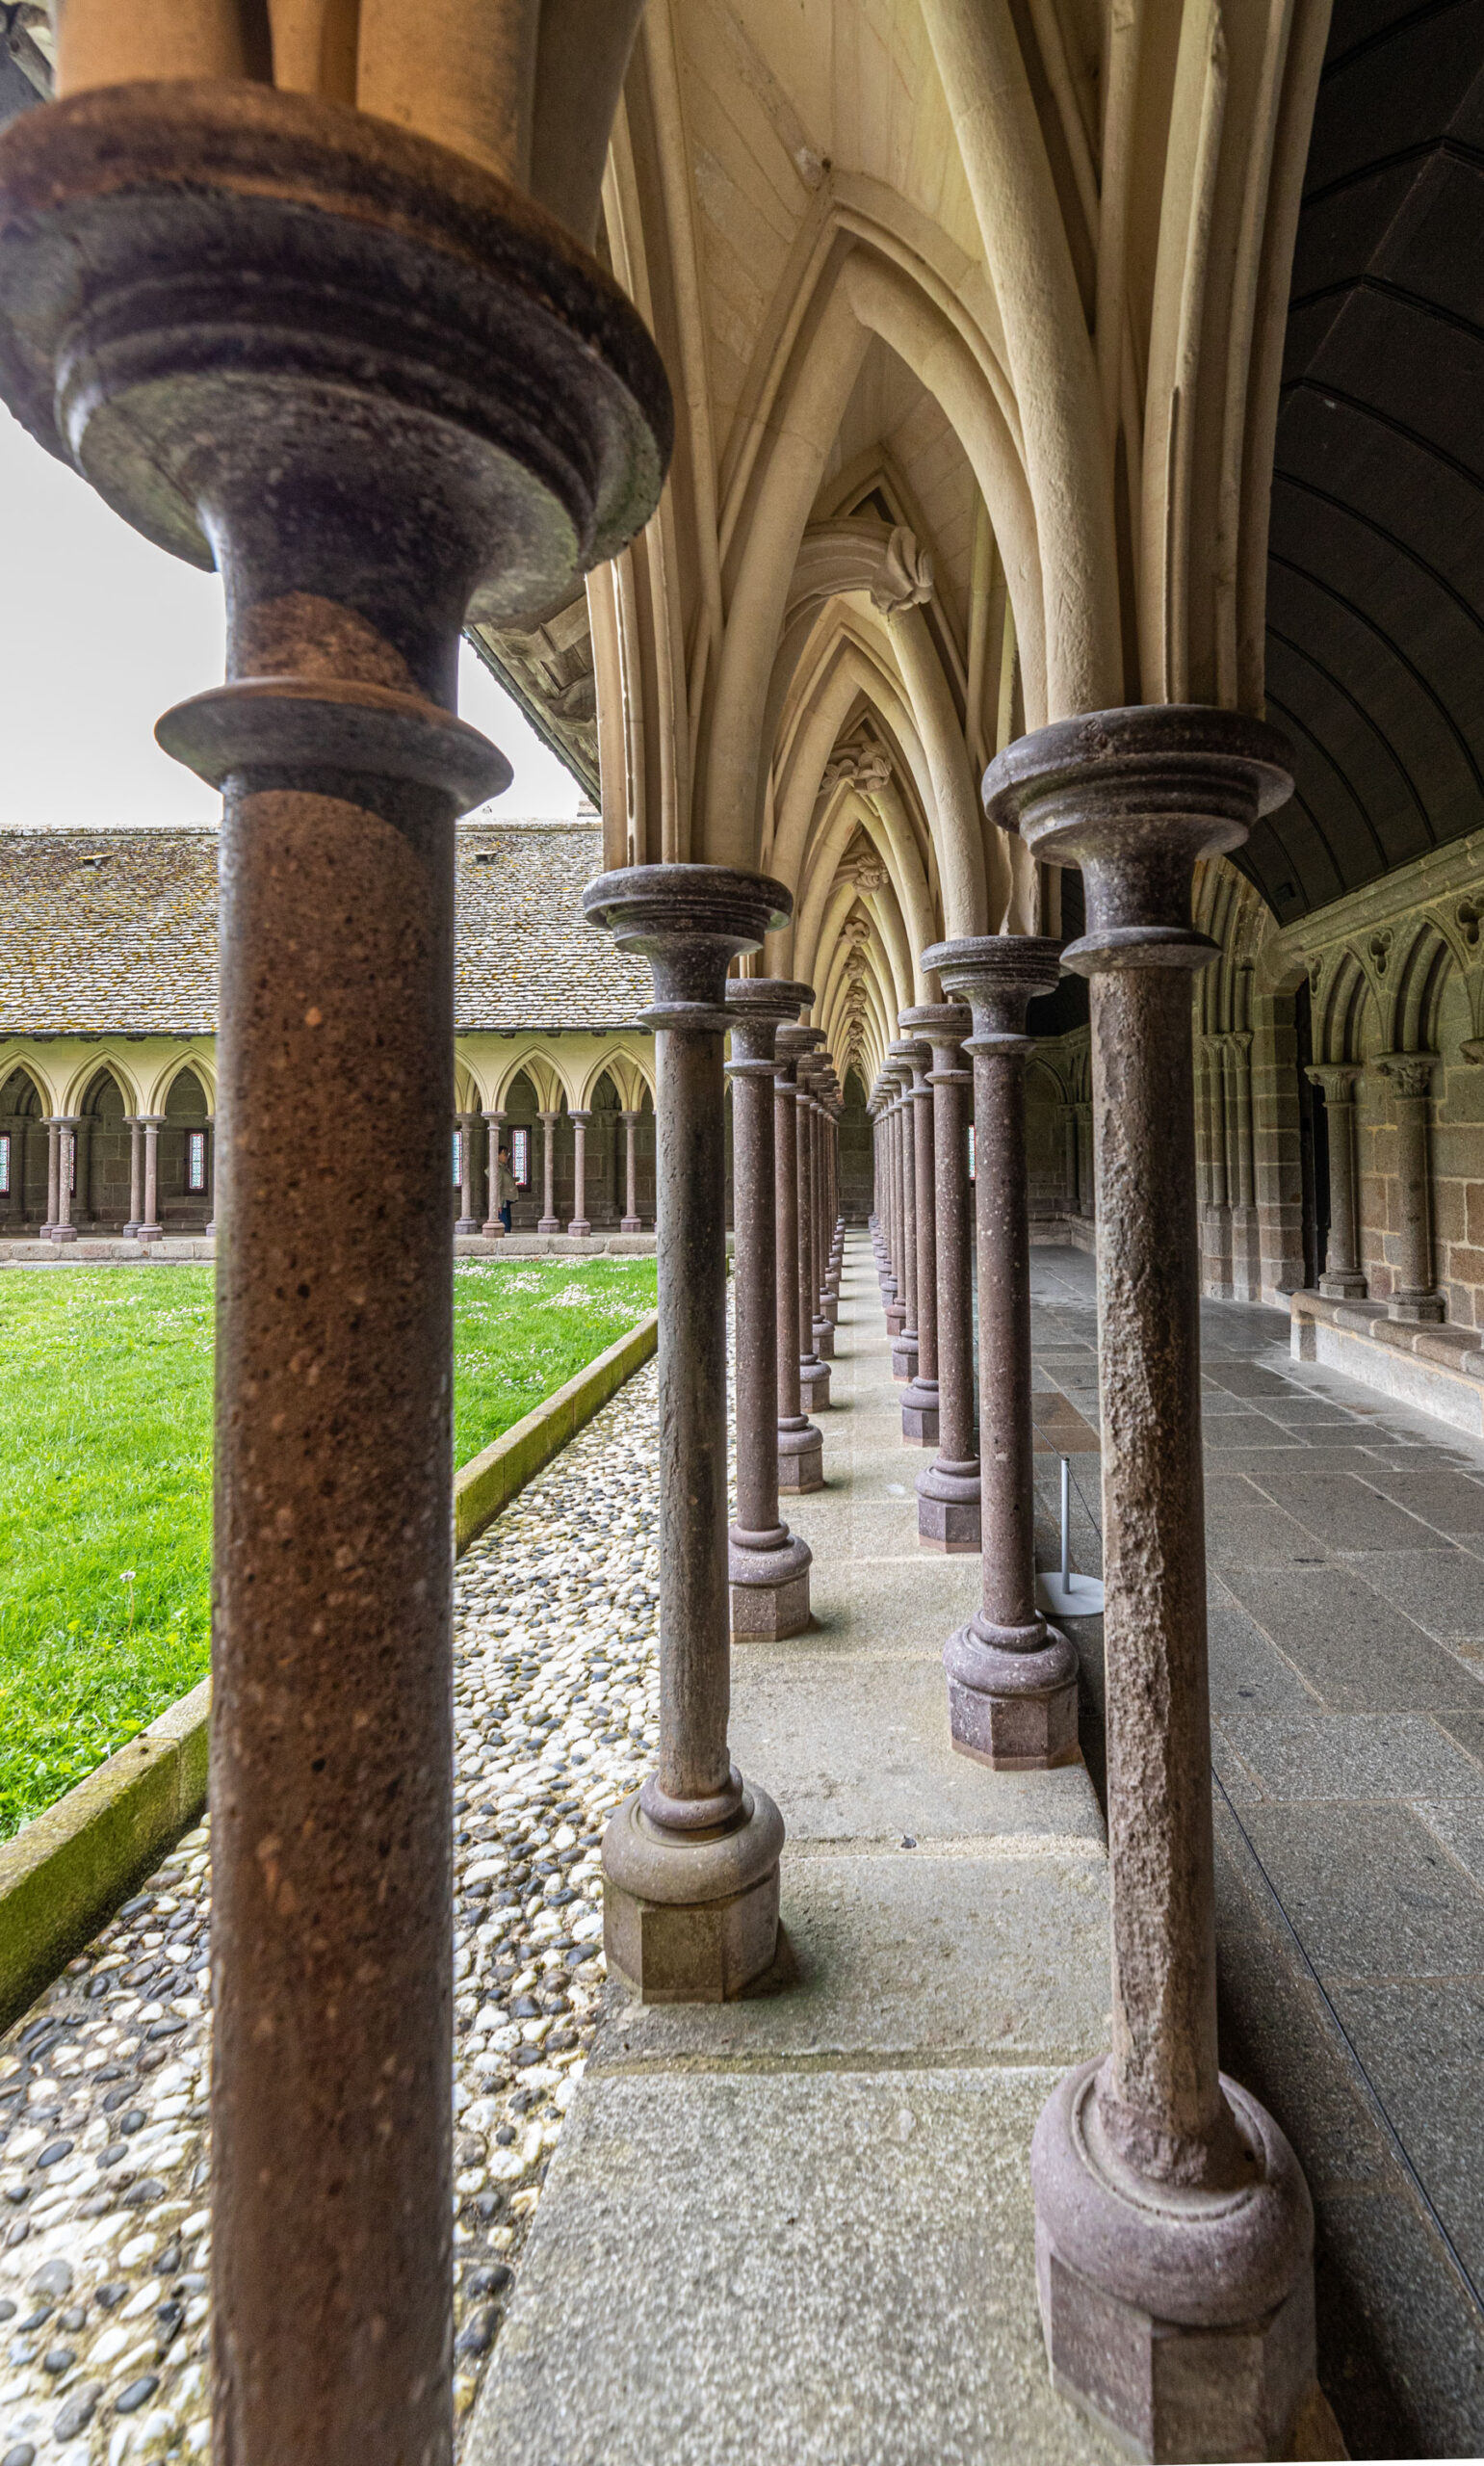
(115, 932)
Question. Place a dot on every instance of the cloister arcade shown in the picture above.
(911, 453)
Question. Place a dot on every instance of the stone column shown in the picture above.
(905, 1059)
(948, 1491)
(53, 1174)
(767, 1566)
(690, 1859)
(211, 1174)
(898, 1309)
(1174, 2231)
(1087, 1197)
(801, 1446)
(579, 1120)
(824, 1324)
(1414, 1298)
(136, 1130)
(631, 1221)
(469, 1196)
(549, 1222)
(812, 1368)
(1012, 1679)
(64, 1229)
(374, 387)
(920, 1404)
(1343, 1278)
(1246, 1266)
(149, 1229)
(492, 1228)
(828, 1097)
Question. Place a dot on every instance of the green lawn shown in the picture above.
(105, 1478)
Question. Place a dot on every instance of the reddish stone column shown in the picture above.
(904, 1058)
(814, 1076)
(579, 1121)
(469, 1177)
(53, 1129)
(376, 389)
(1174, 2232)
(948, 1492)
(549, 1223)
(492, 1228)
(63, 1228)
(801, 1446)
(920, 1404)
(767, 1565)
(691, 1860)
(802, 1043)
(1012, 1679)
(631, 1221)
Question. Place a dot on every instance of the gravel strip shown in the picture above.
(105, 2230)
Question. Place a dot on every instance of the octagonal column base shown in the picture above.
(64, 1233)
(904, 1354)
(1412, 1309)
(948, 1508)
(467, 1225)
(1180, 2320)
(1342, 1286)
(769, 1587)
(829, 1307)
(896, 1317)
(1014, 1710)
(823, 1335)
(691, 1918)
(919, 1413)
(814, 1386)
(800, 1458)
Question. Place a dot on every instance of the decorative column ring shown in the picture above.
(1415, 1298)
(948, 1491)
(690, 1859)
(1343, 1278)
(1174, 2229)
(1012, 1679)
(766, 1566)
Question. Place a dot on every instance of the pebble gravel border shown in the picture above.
(104, 2231)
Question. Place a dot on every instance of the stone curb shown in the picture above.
(489, 1480)
(70, 1868)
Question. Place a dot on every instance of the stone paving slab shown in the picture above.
(785, 2269)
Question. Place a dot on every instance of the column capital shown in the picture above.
(494, 1119)
(689, 921)
(1335, 1080)
(998, 975)
(580, 1112)
(1411, 1073)
(1133, 797)
(757, 1008)
(552, 1116)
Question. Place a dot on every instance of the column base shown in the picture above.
(800, 1458)
(547, 1225)
(919, 1413)
(895, 1319)
(149, 1233)
(823, 1335)
(1412, 1309)
(1343, 1286)
(1013, 1710)
(468, 1225)
(691, 1918)
(829, 1307)
(904, 1354)
(63, 1232)
(494, 1230)
(631, 1225)
(769, 1587)
(129, 1231)
(580, 1226)
(1180, 2320)
(814, 1386)
(948, 1508)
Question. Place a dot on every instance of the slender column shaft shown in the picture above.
(135, 1131)
(469, 1163)
(549, 1223)
(1069, 1157)
(53, 1174)
(926, 1231)
(1239, 1054)
(948, 1516)
(806, 1275)
(493, 1227)
(67, 1175)
(1085, 1179)
(1342, 1277)
(153, 1124)
(786, 1223)
(630, 1214)
(578, 1223)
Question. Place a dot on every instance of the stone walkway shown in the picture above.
(1346, 1618)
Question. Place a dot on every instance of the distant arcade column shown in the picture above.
(1343, 1278)
(630, 1220)
(948, 1491)
(800, 1445)
(493, 1227)
(549, 1222)
(579, 1120)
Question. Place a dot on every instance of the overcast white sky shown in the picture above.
(99, 633)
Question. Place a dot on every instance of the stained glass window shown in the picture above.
(458, 1159)
(196, 1161)
(5, 1164)
(970, 1151)
(520, 1159)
